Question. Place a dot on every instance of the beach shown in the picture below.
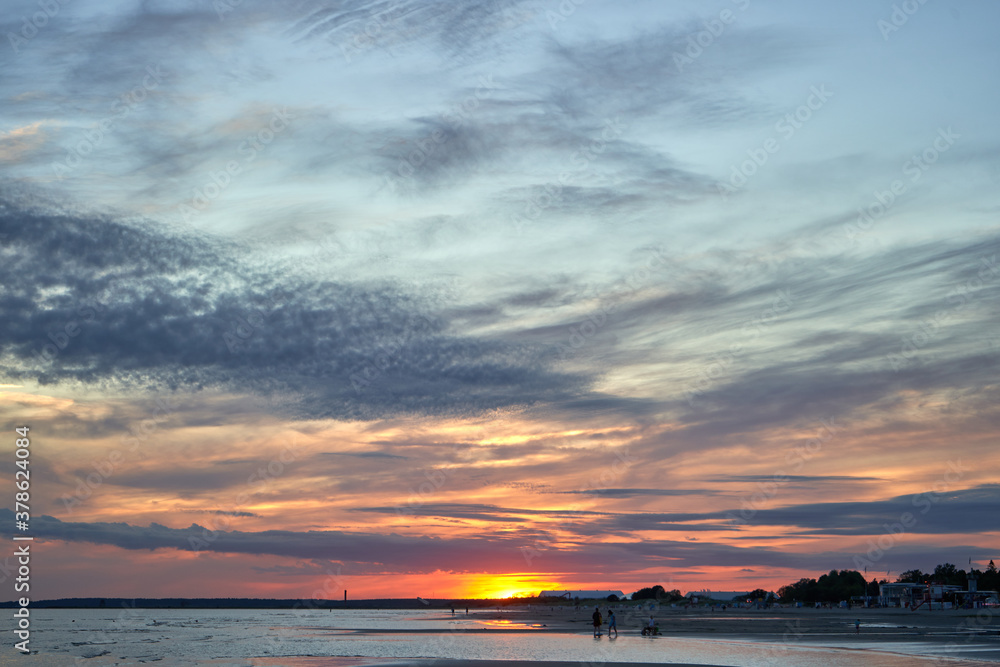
(776, 623)
(546, 636)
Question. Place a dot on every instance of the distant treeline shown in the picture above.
(845, 584)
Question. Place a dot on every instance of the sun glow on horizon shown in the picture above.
(502, 586)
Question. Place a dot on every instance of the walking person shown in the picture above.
(857, 626)
(611, 624)
(597, 622)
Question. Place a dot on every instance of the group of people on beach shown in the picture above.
(648, 629)
(599, 620)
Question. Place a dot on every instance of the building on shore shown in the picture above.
(720, 596)
(934, 596)
(582, 595)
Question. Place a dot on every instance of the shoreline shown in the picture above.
(789, 625)
(693, 637)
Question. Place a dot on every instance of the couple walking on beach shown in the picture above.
(598, 621)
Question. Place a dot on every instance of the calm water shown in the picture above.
(233, 637)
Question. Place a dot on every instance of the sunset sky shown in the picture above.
(460, 299)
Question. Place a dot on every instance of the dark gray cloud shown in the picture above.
(933, 512)
(478, 511)
(796, 478)
(636, 493)
(367, 553)
(366, 455)
(963, 511)
(233, 513)
(133, 306)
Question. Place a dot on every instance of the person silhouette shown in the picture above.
(597, 622)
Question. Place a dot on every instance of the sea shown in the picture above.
(301, 638)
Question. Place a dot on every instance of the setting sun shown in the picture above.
(508, 586)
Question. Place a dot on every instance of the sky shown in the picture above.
(440, 299)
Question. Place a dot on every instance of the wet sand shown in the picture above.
(950, 638)
(881, 630)
(778, 624)
(325, 662)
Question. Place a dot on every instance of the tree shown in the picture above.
(803, 590)
(612, 598)
(657, 593)
(831, 587)
(990, 579)
(843, 585)
(654, 593)
(912, 577)
(949, 574)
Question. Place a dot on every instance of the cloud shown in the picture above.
(16, 143)
(965, 511)
(138, 307)
(359, 27)
(944, 512)
(795, 478)
(225, 513)
(366, 455)
(637, 493)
